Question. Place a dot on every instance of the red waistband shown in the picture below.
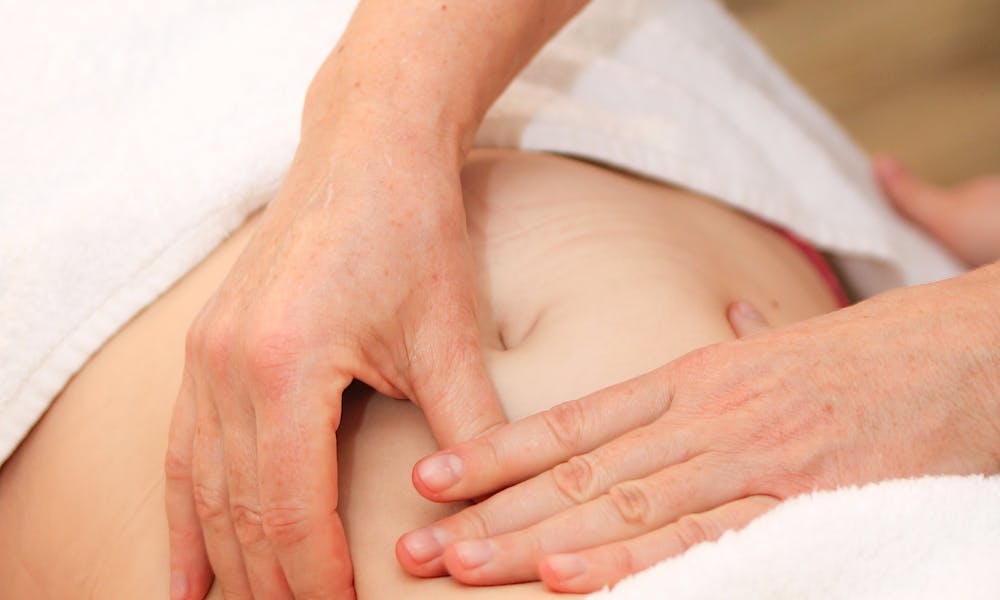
(822, 266)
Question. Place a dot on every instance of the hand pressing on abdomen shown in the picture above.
(361, 268)
(965, 218)
(901, 385)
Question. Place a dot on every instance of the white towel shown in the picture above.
(137, 135)
(934, 538)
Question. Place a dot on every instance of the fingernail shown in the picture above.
(178, 585)
(424, 544)
(474, 553)
(747, 311)
(567, 566)
(440, 472)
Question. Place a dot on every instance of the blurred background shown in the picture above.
(919, 79)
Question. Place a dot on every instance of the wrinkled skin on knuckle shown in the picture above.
(209, 345)
(473, 522)
(630, 501)
(623, 560)
(286, 526)
(247, 523)
(210, 503)
(177, 464)
(695, 529)
(575, 479)
(440, 349)
(565, 423)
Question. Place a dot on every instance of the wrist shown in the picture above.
(360, 129)
(394, 110)
(984, 303)
(377, 159)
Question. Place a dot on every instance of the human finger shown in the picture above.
(629, 509)
(456, 395)
(297, 470)
(211, 500)
(923, 203)
(261, 565)
(190, 572)
(594, 568)
(580, 479)
(517, 451)
(746, 320)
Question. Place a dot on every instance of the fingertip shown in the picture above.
(419, 553)
(896, 181)
(438, 472)
(886, 167)
(745, 319)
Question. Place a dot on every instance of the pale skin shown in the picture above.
(585, 278)
(904, 384)
(251, 463)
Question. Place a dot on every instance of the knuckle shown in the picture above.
(631, 502)
(247, 523)
(623, 559)
(565, 424)
(177, 465)
(215, 353)
(210, 345)
(692, 530)
(475, 523)
(195, 339)
(285, 526)
(209, 503)
(233, 591)
(575, 479)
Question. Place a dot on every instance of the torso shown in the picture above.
(588, 277)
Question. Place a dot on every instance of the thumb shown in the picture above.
(746, 320)
(921, 202)
(457, 395)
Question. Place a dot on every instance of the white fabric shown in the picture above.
(932, 538)
(136, 135)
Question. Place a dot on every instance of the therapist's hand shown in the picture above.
(360, 268)
(905, 384)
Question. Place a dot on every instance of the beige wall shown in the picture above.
(917, 78)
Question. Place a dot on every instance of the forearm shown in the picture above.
(433, 67)
(988, 277)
